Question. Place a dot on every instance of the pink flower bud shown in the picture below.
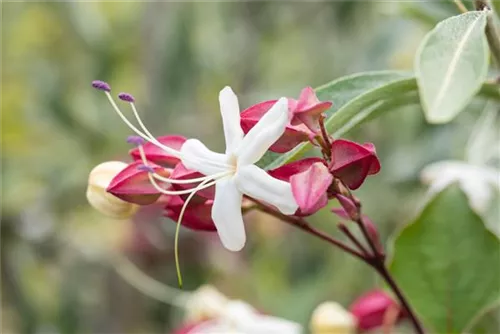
(309, 188)
(156, 154)
(308, 109)
(348, 207)
(309, 179)
(293, 136)
(286, 171)
(371, 228)
(372, 309)
(132, 184)
(352, 162)
(304, 116)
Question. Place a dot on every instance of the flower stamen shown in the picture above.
(146, 135)
(159, 177)
(202, 185)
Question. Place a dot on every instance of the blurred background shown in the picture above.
(62, 262)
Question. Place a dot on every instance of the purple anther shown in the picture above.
(101, 85)
(126, 97)
(144, 168)
(135, 140)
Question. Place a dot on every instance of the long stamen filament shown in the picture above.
(175, 181)
(166, 148)
(177, 230)
(149, 137)
(137, 131)
(188, 181)
(180, 192)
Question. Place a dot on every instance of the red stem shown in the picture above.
(375, 260)
(344, 229)
(302, 224)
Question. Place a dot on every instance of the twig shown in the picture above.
(491, 30)
(344, 229)
(386, 275)
(302, 224)
(375, 260)
(326, 139)
(461, 6)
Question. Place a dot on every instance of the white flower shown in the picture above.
(476, 175)
(205, 303)
(478, 182)
(233, 173)
(332, 318)
(242, 177)
(240, 318)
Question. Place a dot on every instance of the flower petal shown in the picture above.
(99, 178)
(265, 133)
(352, 162)
(245, 319)
(180, 172)
(371, 309)
(157, 154)
(286, 171)
(226, 214)
(256, 183)
(309, 188)
(230, 111)
(196, 217)
(196, 156)
(133, 185)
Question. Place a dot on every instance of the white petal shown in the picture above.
(243, 317)
(196, 156)
(226, 214)
(479, 193)
(482, 145)
(256, 183)
(230, 112)
(265, 133)
(266, 324)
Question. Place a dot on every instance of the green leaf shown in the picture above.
(359, 98)
(451, 65)
(446, 262)
(342, 92)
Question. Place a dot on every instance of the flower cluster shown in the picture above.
(205, 190)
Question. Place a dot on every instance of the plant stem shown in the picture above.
(326, 138)
(304, 226)
(491, 30)
(461, 6)
(386, 275)
(375, 260)
(344, 229)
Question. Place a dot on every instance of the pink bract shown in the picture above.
(133, 185)
(156, 154)
(352, 162)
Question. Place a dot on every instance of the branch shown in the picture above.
(491, 30)
(303, 225)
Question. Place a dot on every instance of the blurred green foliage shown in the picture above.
(175, 57)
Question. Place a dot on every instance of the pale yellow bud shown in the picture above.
(332, 318)
(205, 303)
(99, 179)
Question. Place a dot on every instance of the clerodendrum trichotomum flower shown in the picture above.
(233, 173)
